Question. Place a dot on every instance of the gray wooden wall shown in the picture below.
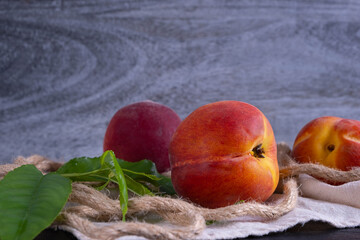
(67, 66)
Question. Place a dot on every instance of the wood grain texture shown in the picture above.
(67, 66)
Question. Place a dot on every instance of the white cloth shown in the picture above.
(336, 205)
(348, 193)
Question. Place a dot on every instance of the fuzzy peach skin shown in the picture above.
(222, 153)
(142, 130)
(331, 141)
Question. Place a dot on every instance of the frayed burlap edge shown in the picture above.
(189, 220)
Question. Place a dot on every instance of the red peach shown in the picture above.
(330, 141)
(222, 153)
(142, 130)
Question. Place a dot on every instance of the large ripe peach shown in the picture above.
(331, 141)
(142, 130)
(222, 153)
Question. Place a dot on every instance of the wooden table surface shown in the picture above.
(66, 66)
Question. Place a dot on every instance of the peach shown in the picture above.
(223, 153)
(330, 141)
(142, 130)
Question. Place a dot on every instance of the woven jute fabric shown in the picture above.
(89, 206)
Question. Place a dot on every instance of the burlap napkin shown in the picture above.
(336, 205)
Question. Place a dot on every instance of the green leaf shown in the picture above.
(103, 186)
(137, 187)
(30, 202)
(91, 169)
(108, 159)
(144, 168)
(85, 169)
(209, 222)
(80, 167)
(141, 175)
(166, 186)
